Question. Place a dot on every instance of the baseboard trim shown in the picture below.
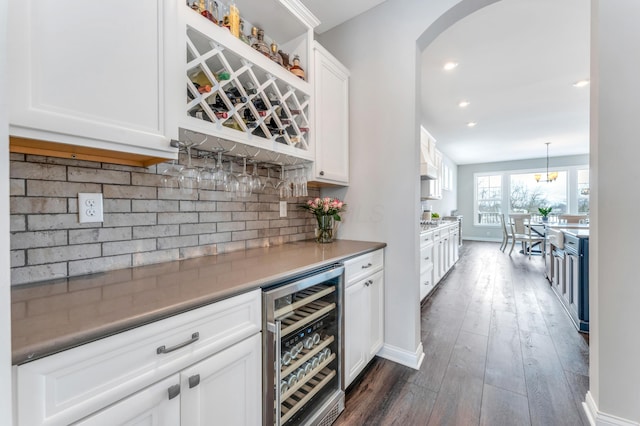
(486, 240)
(598, 418)
(401, 356)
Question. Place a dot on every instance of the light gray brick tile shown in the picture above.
(257, 224)
(238, 216)
(23, 240)
(115, 205)
(298, 222)
(268, 232)
(129, 219)
(17, 258)
(14, 156)
(301, 237)
(231, 226)
(221, 237)
(72, 205)
(288, 230)
(98, 235)
(100, 264)
(177, 242)
(146, 179)
(82, 174)
(278, 223)
(231, 246)
(257, 207)
(38, 205)
(197, 228)
(188, 206)
(269, 198)
(123, 247)
(215, 217)
(42, 188)
(257, 243)
(155, 231)
(214, 196)
(31, 274)
(62, 161)
(17, 222)
(123, 168)
(190, 252)
(17, 187)
(130, 192)
(154, 205)
(177, 218)
(24, 170)
(39, 256)
(244, 235)
(148, 258)
(268, 215)
(230, 206)
(40, 222)
(172, 194)
(199, 206)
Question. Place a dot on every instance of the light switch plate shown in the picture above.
(90, 207)
(283, 209)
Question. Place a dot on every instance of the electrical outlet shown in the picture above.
(283, 209)
(90, 207)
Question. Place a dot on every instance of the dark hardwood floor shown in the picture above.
(499, 350)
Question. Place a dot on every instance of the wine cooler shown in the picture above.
(302, 358)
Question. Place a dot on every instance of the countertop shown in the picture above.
(52, 316)
(442, 224)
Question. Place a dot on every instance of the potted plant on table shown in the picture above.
(326, 210)
(544, 212)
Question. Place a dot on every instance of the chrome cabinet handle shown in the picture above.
(174, 391)
(368, 265)
(194, 381)
(368, 283)
(321, 172)
(426, 258)
(164, 350)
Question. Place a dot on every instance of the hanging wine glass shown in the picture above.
(169, 177)
(271, 182)
(189, 174)
(285, 187)
(231, 183)
(220, 175)
(244, 181)
(206, 179)
(256, 182)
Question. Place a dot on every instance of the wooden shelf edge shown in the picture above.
(60, 150)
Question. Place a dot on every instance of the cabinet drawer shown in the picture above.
(72, 384)
(363, 265)
(426, 238)
(426, 258)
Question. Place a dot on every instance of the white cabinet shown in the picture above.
(331, 94)
(80, 382)
(427, 282)
(439, 251)
(90, 75)
(364, 312)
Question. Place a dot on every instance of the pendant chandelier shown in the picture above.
(551, 176)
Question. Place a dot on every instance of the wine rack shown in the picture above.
(235, 93)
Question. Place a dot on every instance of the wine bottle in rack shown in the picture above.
(218, 105)
(294, 111)
(234, 95)
(273, 99)
(250, 88)
(296, 69)
(260, 106)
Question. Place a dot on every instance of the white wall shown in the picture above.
(614, 285)
(5, 305)
(466, 189)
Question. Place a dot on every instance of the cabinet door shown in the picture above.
(157, 405)
(355, 330)
(331, 118)
(88, 74)
(376, 318)
(226, 388)
(437, 254)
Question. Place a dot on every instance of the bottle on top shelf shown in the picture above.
(274, 55)
(285, 59)
(243, 36)
(234, 20)
(260, 45)
(296, 69)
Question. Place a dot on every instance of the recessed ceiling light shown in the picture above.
(464, 104)
(450, 65)
(581, 83)
(471, 124)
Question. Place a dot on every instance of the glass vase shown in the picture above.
(324, 232)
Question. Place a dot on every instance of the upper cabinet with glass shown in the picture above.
(225, 89)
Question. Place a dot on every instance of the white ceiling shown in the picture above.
(517, 62)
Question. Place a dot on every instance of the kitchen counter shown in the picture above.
(52, 316)
(443, 224)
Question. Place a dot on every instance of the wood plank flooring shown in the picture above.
(499, 350)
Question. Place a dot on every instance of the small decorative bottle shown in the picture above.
(260, 45)
(243, 36)
(275, 56)
(285, 59)
(234, 20)
(253, 36)
(296, 69)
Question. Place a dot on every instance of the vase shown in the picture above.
(324, 231)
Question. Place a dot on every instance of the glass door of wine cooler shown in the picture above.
(303, 348)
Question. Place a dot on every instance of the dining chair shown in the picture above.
(521, 231)
(506, 233)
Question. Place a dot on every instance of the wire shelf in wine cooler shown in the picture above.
(306, 355)
(304, 297)
(305, 315)
(296, 397)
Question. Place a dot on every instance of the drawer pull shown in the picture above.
(194, 381)
(427, 258)
(174, 391)
(368, 283)
(164, 350)
(368, 265)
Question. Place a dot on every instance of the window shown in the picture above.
(488, 199)
(526, 195)
(583, 191)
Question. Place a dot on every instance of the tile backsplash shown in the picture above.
(144, 222)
